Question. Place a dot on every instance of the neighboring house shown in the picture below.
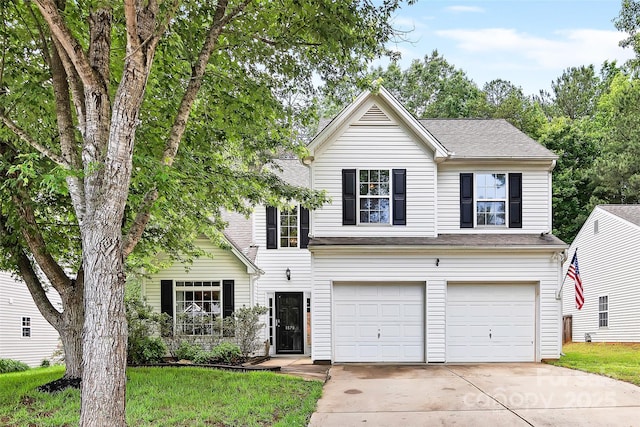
(608, 247)
(24, 334)
(434, 247)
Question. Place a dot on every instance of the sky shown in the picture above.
(527, 42)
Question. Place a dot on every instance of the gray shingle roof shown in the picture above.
(239, 234)
(449, 240)
(293, 172)
(630, 213)
(485, 138)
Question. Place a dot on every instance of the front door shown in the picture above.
(289, 330)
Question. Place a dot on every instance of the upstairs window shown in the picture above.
(374, 196)
(603, 311)
(26, 327)
(287, 228)
(491, 205)
(490, 200)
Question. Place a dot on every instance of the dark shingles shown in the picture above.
(629, 213)
(485, 138)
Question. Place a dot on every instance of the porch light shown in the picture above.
(288, 273)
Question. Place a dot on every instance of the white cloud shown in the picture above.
(465, 9)
(569, 48)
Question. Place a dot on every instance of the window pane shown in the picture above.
(374, 175)
(364, 176)
(364, 189)
(384, 176)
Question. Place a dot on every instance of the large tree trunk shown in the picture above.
(71, 328)
(105, 329)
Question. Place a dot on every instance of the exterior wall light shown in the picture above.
(288, 273)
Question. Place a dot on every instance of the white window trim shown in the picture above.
(182, 288)
(298, 209)
(603, 311)
(388, 197)
(24, 327)
(477, 199)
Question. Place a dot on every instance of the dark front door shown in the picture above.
(289, 330)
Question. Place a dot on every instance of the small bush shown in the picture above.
(45, 363)
(246, 326)
(146, 350)
(225, 353)
(9, 365)
(187, 351)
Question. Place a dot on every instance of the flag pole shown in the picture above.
(564, 279)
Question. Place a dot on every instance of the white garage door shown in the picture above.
(379, 322)
(491, 323)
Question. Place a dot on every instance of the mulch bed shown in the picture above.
(61, 384)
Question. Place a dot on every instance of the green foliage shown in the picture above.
(187, 351)
(45, 363)
(576, 92)
(224, 353)
(146, 350)
(577, 147)
(10, 365)
(186, 396)
(246, 326)
(143, 323)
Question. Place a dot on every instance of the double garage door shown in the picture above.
(385, 322)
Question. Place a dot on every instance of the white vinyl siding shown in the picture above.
(345, 266)
(609, 265)
(222, 265)
(536, 193)
(375, 146)
(15, 305)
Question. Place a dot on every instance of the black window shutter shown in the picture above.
(227, 297)
(515, 200)
(166, 297)
(399, 197)
(348, 197)
(304, 227)
(466, 200)
(272, 228)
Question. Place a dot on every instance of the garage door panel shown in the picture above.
(490, 323)
(388, 321)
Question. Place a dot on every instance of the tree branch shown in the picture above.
(54, 157)
(31, 279)
(139, 223)
(71, 46)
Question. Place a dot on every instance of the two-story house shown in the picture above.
(435, 245)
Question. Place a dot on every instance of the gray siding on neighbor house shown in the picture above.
(15, 303)
(609, 265)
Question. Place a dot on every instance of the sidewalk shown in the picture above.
(299, 366)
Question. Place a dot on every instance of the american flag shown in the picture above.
(574, 273)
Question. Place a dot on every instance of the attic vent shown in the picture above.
(374, 114)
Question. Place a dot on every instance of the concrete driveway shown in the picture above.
(516, 394)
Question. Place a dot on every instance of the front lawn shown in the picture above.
(616, 360)
(186, 396)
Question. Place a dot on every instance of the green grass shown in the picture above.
(169, 397)
(616, 360)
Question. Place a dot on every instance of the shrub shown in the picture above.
(187, 350)
(10, 365)
(225, 353)
(146, 350)
(246, 327)
(45, 363)
(143, 323)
